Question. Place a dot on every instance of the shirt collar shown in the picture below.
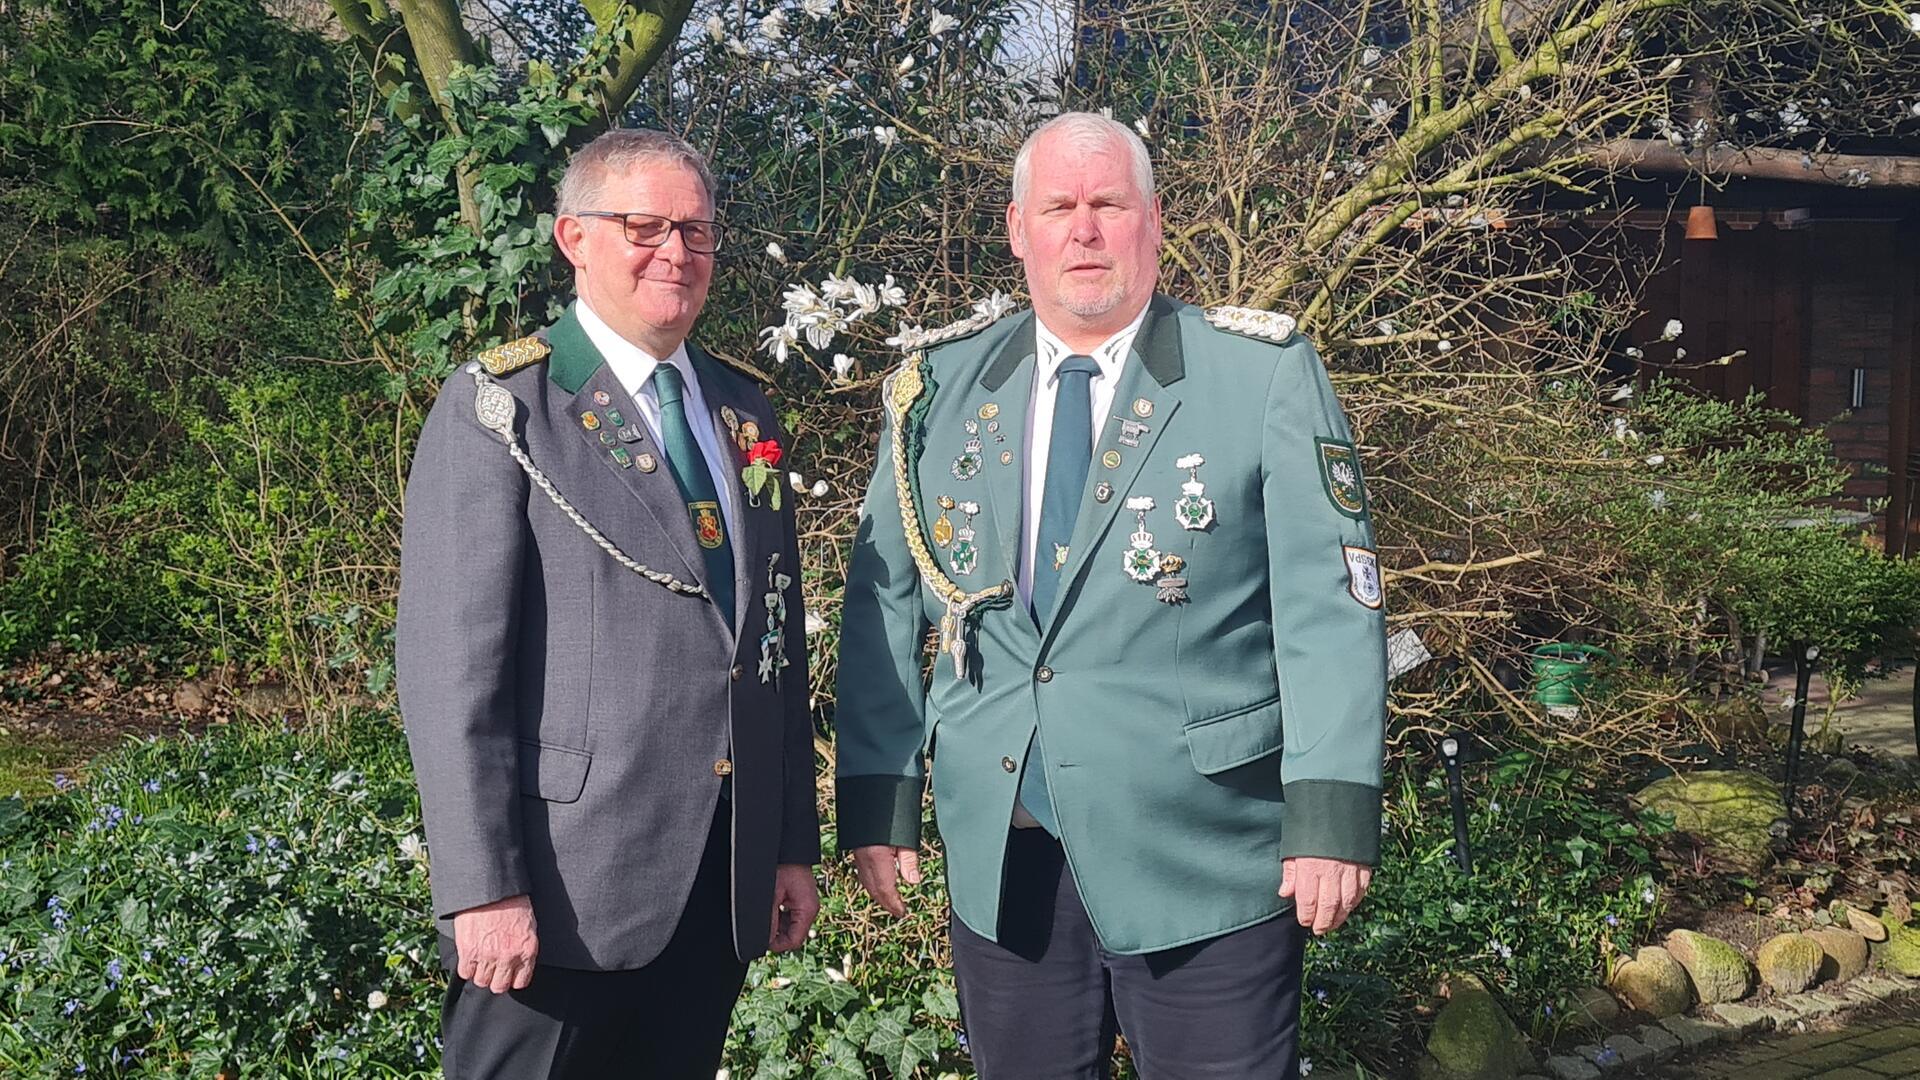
(1110, 355)
(631, 364)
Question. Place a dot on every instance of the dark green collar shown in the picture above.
(574, 358)
(1158, 344)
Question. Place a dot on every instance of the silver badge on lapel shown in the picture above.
(773, 643)
(1172, 585)
(967, 465)
(1131, 432)
(966, 554)
(1193, 510)
(1140, 560)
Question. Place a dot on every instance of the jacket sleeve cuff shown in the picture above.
(879, 810)
(455, 893)
(1331, 819)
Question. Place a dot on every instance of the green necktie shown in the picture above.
(689, 468)
(1069, 456)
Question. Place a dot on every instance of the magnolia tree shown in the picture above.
(1425, 186)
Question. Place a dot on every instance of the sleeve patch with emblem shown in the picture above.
(1340, 475)
(1363, 576)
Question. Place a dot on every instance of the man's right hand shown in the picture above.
(497, 944)
(880, 867)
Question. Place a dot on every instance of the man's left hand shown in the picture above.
(1324, 891)
(796, 900)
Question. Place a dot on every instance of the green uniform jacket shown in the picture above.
(1190, 746)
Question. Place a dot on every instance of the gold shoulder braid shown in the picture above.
(514, 355)
(900, 391)
(1253, 322)
(494, 407)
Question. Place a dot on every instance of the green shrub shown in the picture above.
(82, 593)
(234, 900)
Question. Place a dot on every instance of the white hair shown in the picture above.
(1086, 133)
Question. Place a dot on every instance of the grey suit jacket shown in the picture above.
(570, 720)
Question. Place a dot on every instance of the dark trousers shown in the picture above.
(1045, 1002)
(665, 1021)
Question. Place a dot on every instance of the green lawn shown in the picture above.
(27, 764)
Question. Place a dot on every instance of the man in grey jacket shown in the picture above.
(602, 658)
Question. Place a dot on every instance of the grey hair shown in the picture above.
(1087, 133)
(618, 152)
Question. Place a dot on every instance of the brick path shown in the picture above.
(1883, 1046)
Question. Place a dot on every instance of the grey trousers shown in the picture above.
(1045, 1002)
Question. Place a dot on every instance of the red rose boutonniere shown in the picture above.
(760, 473)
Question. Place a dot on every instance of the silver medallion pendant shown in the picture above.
(493, 407)
(1172, 584)
(1193, 510)
(773, 643)
(1140, 560)
(965, 556)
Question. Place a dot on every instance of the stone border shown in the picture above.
(1661, 1041)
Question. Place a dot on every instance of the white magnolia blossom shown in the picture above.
(1794, 118)
(1656, 459)
(905, 65)
(1380, 110)
(886, 134)
(716, 28)
(1913, 21)
(941, 23)
(779, 341)
(797, 482)
(817, 9)
(891, 294)
(1672, 68)
(1370, 55)
(820, 489)
(995, 306)
(1444, 345)
(803, 302)
(773, 25)
(776, 252)
(815, 623)
(836, 288)
(1672, 330)
(376, 1000)
(1386, 326)
(842, 366)
(738, 47)
(1635, 353)
(1680, 354)
(1143, 127)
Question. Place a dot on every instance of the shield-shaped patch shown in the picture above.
(1340, 476)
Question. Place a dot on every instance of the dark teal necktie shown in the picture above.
(1069, 455)
(689, 468)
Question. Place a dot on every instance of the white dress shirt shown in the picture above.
(633, 366)
(1111, 355)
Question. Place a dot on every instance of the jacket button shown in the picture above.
(723, 767)
(1045, 674)
(738, 670)
(1009, 764)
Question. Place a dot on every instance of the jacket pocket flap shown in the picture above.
(553, 773)
(1230, 740)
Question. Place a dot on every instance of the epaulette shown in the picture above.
(1254, 323)
(514, 355)
(912, 339)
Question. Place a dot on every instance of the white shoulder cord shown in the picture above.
(494, 408)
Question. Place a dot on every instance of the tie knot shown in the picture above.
(1079, 365)
(668, 385)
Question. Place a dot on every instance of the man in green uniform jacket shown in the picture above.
(1141, 533)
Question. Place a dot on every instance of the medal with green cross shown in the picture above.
(967, 465)
(1193, 510)
(1141, 561)
(965, 555)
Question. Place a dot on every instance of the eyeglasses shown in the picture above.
(652, 230)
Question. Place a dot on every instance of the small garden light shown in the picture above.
(1456, 794)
